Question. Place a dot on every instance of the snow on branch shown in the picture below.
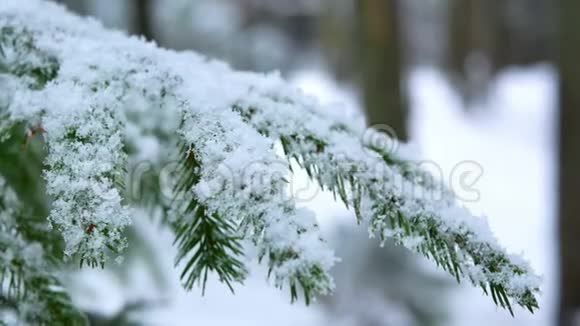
(94, 94)
(395, 196)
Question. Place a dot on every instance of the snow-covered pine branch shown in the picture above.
(96, 96)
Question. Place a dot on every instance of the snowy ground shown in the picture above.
(512, 142)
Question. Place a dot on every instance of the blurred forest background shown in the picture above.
(491, 81)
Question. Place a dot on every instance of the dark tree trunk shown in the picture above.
(502, 33)
(380, 64)
(143, 19)
(569, 174)
(473, 29)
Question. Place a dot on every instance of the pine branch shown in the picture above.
(442, 230)
(207, 241)
(41, 298)
(85, 161)
(25, 59)
(84, 170)
(21, 169)
(26, 271)
(286, 238)
(92, 91)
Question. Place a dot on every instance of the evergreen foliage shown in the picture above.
(80, 106)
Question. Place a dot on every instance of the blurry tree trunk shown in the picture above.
(337, 31)
(78, 6)
(469, 30)
(143, 19)
(380, 64)
(486, 36)
(569, 155)
(473, 27)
